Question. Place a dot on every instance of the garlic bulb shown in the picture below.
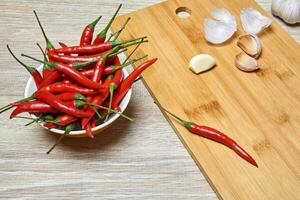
(253, 21)
(221, 28)
(250, 44)
(288, 10)
(246, 63)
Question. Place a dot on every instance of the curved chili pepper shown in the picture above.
(34, 73)
(129, 80)
(77, 76)
(87, 33)
(100, 38)
(59, 105)
(32, 107)
(60, 87)
(214, 135)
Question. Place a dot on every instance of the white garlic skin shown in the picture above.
(288, 10)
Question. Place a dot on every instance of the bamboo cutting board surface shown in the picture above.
(260, 110)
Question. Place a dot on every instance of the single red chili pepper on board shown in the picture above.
(100, 38)
(32, 107)
(128, 81)
(59, 105)
(49, 47)
(87, 33)
(214, 135)
(34, 73)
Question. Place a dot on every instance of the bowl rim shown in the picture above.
(124, 103)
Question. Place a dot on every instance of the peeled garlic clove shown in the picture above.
(246, 63)
(250, 44)
(201, 63)
(221, 28)
(253, 21)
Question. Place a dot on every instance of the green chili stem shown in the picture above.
(49, 44)
(136, 47)
(117, 34)
(176, 117)
(94, 23)
(111, 92)
(104, 31)
(35, 120)
(112, 110)
(28, 68)
(129, 41)
(68, 129)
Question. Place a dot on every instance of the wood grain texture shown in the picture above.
(260, 110)
(128, 161)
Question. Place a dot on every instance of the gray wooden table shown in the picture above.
(144, 159)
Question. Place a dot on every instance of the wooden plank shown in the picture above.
(260, 110)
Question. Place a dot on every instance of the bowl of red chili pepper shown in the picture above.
(100, 124)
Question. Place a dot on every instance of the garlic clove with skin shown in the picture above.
(287, 10)
(246, 63)
(250, 44)
(221, 28)
(253, 21)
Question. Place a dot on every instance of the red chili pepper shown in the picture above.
(59, 105)
(32, 107)
(34, 73)
(62, 120)
(129, 80)
(214, 135)
(96, 48)
(100, 38)
(87, 33)
(77, 76)
(60, 87)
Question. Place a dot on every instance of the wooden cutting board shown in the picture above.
(260, 110)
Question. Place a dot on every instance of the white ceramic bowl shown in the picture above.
(31, 88)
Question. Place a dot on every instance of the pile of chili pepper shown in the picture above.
(80, 85)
